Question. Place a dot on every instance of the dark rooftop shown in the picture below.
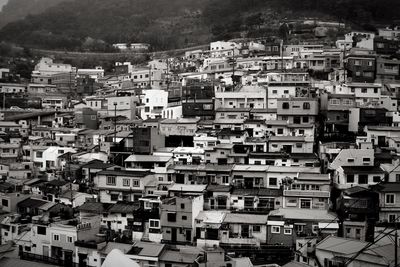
(31, 203)
(361, 169)
(123, 207)
(133, 173)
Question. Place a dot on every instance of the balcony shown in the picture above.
(239, 241)
(304, 193)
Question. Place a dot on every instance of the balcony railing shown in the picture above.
(306, 193)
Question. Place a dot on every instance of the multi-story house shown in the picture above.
(56, 242)
(245, 97)
(336, 251)
(291, 144)
(122, 106)
(364, 176)
(249, 176)
(202, 174)
(260, 200)
(283, 85)
(387, 69)
(219, 154)
(239, 229)
(306, 222)
(9, 153)
(283, 159)
(335, 108)
(389, 199)
(178, 218)
(307, 191)
(208, 224)
(198, 99)
(119, 216)
(232, 113)
(121, 185)
(217, 197)
(142, 140)
(298, 110)
(360, 65)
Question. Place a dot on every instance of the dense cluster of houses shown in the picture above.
(250, 153)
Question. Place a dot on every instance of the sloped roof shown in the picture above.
(147, 249)
(178, 256)
(121, 207)
(245, 218)
(31, 203)
(304, 214)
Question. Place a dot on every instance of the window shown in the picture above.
(111, 180)
(114, 197)
(126, 182)
(56, 237)
(305, 119)
(171, 217)
(154, 224)
(182, 206)
(41, 230)
(363, 179)
(285, 105)
(280, 131)
(256, 228)
(350, 160)
(184, 218)
(135, 183)
(39, 154)
(389, 198)
(305, 203)
(366, 159)
(275, 229)
(299, 145)
(350, 178)
(287, 231)
(397, 177)
(376, 179)
(225, 179)
(4, 202)
(306, 105)
(70, 239)
(391, 217)
(273, 181)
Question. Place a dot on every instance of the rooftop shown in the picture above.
(245, 218)
(130, 173)
(147, 158)
(304, 214)
(362, 169)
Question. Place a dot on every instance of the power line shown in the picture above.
(372, 243)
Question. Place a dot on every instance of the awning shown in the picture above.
(332, 225)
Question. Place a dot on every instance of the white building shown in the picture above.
(154, 102)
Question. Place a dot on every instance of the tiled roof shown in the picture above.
(121, 207)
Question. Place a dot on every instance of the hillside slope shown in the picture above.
(92, 25)
(15, 10)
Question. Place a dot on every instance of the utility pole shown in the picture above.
(395, 246)
(115, 122)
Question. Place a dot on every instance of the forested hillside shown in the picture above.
(15, 10)
(165, 24)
